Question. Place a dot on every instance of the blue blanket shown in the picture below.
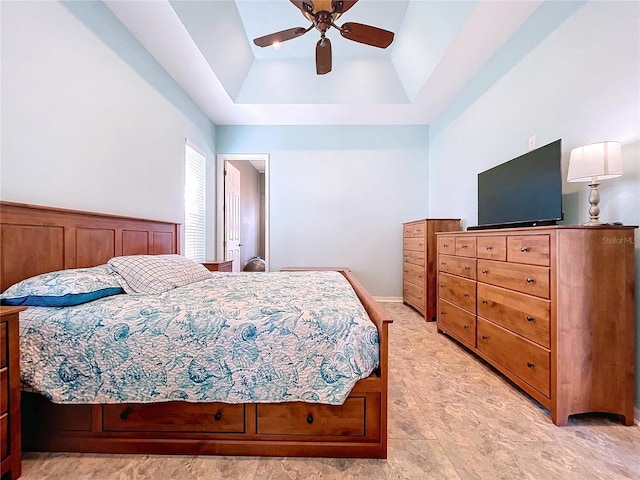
(234, 338)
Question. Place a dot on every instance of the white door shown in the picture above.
(232, 215)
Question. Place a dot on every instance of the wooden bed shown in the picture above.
(36, 240)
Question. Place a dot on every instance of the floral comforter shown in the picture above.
(234, 338)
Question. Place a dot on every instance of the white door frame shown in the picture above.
(220, 159)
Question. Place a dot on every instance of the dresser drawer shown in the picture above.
(3, 344)
(492, 248)
(4, 390)
(526, 315)
(414, 243)
(414, 257)
(446, 245)
(525, 359)
(414, 295)
(463, 266)
(301, 419)
(4, 434)
(466, 246)
(530, 279)
(458, 322)
(417, 229)
(457, 290)
(174, 417)
(530, 249)
(414, 274)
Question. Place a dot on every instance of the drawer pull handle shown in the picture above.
(485, 338)
(530, 365)
(466, 268)
(445, 245)
(530, 318)
(442, 286)
(530, 280)
(466, 295)
(125, 413)
(466, 327)
(488, 247)
(217, 416)
(310, 419)
(463, 246)
(484, 302)
(484, 271)
(442, 263)
(524, 249)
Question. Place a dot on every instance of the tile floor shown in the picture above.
(450, 417)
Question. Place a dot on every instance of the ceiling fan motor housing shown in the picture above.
(323, 21)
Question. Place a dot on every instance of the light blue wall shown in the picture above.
(339, 194)
(581, 84)
(90, 121)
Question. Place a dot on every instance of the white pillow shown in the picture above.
(157, 273)
(63, 288)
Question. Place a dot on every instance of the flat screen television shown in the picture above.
(525, 191)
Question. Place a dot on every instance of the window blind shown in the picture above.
(194, 203)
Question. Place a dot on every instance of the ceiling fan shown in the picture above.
(323, 14)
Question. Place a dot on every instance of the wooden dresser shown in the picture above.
(552, 308)
(419, 263)
(10, 448)
(218, 265)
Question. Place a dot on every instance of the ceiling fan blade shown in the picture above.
(346, 5)
(323, 56)
(374, 36)
(301, 5)
(282, 36)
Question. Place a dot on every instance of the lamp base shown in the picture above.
(594, 210)
(593, 223)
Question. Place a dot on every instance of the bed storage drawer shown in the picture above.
(175, 417)
(313, 419)
(4, 390)
(3, 344)
(4, 432)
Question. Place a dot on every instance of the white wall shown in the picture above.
(339, 195)
(581, 84)
(89, 120)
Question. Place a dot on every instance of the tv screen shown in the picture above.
(524, 191)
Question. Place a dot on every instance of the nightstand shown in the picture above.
(10, 448)
(218, 265)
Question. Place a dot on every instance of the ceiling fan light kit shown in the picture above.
(323, 14)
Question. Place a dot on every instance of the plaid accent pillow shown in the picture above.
(156, 273)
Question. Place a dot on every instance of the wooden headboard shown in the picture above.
(36, 239)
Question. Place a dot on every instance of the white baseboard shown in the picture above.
(637, 416)
(388, 299)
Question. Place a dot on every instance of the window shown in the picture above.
(194, 202)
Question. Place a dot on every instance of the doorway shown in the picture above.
(258, 230)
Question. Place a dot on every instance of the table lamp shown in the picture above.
(594, 163)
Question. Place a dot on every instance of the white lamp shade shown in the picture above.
(595, 162)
